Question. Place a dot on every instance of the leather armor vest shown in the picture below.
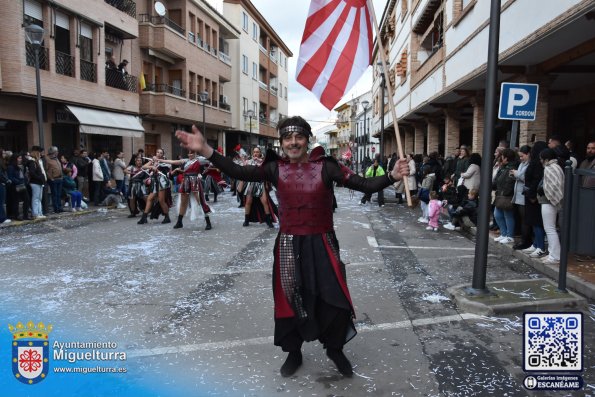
(305, 202)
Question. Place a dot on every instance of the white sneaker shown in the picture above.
(429, 228)
(529, 250)
(550, 260)
(506, 240)
(537, 253)
(449, 226)
(497, 239)
(120, 206)
(435, 229)
(40, 217)
(6, 221)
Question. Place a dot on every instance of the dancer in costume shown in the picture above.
(257, 190)
(137, 189)
(213, 181)
(190, 184)
(159, 187)
(311, 297)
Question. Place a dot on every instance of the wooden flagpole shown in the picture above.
(390, 97)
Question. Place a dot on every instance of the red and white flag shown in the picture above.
(336, 48)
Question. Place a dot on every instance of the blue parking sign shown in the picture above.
(518, 101)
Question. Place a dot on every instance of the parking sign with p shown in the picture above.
(518, 101)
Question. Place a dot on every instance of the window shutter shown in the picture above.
(62, 20)
(86, 31)
(33, 9)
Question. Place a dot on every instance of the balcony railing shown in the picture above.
(64, 64)
(127, 6)
(192, 96)
(43, 57)
(88, 71)
(115, 79)
(225, 58)
(263, 85)
(273, 90)
(167, 89)
(225, 106)
(157, 20)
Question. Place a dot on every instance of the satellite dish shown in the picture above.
(160, 8)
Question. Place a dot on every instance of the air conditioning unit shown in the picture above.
(224, 99)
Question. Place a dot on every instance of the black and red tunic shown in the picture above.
(309, 283)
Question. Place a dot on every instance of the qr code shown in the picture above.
(553, 342)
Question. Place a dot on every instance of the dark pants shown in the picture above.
(526, 230)
(45, 199)
(332, 337)
(56, 191)
(121, 186)
(368, 197)
(97, 192)
(16, 198)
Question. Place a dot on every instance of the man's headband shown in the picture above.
(294, 128)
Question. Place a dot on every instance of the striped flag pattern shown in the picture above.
(336, 48)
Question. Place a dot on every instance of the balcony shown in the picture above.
(43, 57)
(274, 90)
(226, 59)
(88, 71)
(164, 35)
(158, 20)
(64, 64)
(126, 6)
(168, 89)
(115, 79)
(263, 85)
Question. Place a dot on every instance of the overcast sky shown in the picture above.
(288, 19)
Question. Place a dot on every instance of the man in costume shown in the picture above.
(311, 297)
(190, 184)
(258, 203)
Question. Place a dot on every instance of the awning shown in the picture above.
(100, 122)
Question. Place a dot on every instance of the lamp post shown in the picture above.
(249, 113)
(382, 85)
(204, 96)
(365, 105)
(34, 34)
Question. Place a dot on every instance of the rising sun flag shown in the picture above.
(336, 48)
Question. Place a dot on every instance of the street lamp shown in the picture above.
(382, 85)
(365, 105)
(249, 113)
(34, 34)
(204, 96)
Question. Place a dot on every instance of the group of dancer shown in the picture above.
(150, 189)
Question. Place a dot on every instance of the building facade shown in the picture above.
(260, 82)
(437, 54)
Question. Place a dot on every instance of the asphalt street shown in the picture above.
(193, 308)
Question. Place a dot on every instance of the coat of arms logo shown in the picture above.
(30, 351)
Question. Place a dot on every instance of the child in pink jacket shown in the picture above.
(434, 208)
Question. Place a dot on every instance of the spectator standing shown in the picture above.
(518, 198)
(98, 179)
(504, 187)
(81, 160)
(550, 196)
(18, 187)
(533, 177)
(373, 171)
(450, 163)
(424, 193)
(119, 175)
(36, 181)
(4, 183)
(55, 178)
(462, 162)
(589, 164)
(105, 166)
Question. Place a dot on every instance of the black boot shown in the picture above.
(179, 224)
(206, 197)
(166, 219)
(215, 198)
(208, 227)
(342, 363)
(246, 220)
(291, 364)
(269, 220)
(143, 219)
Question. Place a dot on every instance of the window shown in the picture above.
(86, 42)
(254, 71)
(244, 104)
(461, 8)
(404, 9)
(430, 38)
(244, 64)
(254, 31)
(285, 96)
(245, 21)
